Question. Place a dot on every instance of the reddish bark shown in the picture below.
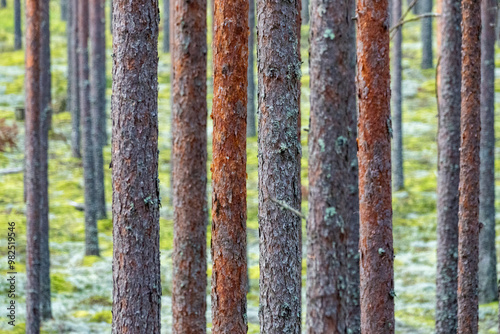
(229, 273)
(374, 155)
(136, 254)
(468, 213)
(32, 156)
(190, 166)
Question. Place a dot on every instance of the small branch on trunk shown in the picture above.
(289, 208)
(416, 18)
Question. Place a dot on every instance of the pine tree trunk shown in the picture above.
(229, 272)
(75, 83)
(190, 172)
(98, 99)
(468, 213)
(449, 85)
(305, 11)
(3, 4)
(426, 30)
(46, 115)
(166, 26)
(69, 43)
(64, 9)
(487, 254)
(251, 128)
(279, 166)
(32, 157)
(136, 201)
(374, 155)
(397, 100)
(18, 34)
(91, 238)
(333, 225)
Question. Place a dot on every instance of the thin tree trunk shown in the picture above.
(91, 237)
(75, 83)
(46, 110)
(18, 34)
(426, 30)
(397, 99)
(305, 11)
(111, 17)
(98, 99)
(32, 152)
(449, 85)
(136, 198)
(487, 254)
(229, 272)
(374, 155)
(468, 213)
(190, 173)
(333, 225)
(3, 4)
(166, 26)
(279, 166)
(69, 43)
(251, 128)
(64, 9)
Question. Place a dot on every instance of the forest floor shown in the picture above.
(82, 286)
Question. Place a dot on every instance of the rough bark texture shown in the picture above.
(251, 126)
(279, 166)
(426, 30)
(98, 99)
(190, 172)
(374, 155)
(136, 253)
(397, 99)
(449, 85)
(333, 225)
(487, 254)
(32, 157)
(91, 238)
(166, 26)
(46, 114)
(18, 34)
(75, 83)
(229, 272)
(468, 213)
(305, 11)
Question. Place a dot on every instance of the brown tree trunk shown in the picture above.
(190, 172)
(251, 129)
(487, 254)
(449, 85)
(32, 153)
(98, 99)
(279, 166)
(46, 115)
(468, 213)
(374, 155)
(229, 272)
(91, 237)
(136, 253)
(75, 83)
(18, 34)
(333, 225)
(397, 99)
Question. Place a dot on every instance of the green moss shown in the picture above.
(59, 284)
(103, 316)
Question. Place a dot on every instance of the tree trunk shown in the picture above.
(98, 99)
(468, 213)
(32, 158)
(229, 273)
(46, 115)
(190, 172)
(136, 201)
(279, 166)
(374, 155)
(426, 30)
(75, 83)
(333, 225)
(487, 254)
(397, 100)
(91, 238)
(70, 68)
(18, 34)
(3, 4)
(111, 17)
(64, 9)
(166, 26)
(449, 85)
(305, 11)
(251, 129)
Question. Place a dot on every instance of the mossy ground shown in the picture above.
(82, 286)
